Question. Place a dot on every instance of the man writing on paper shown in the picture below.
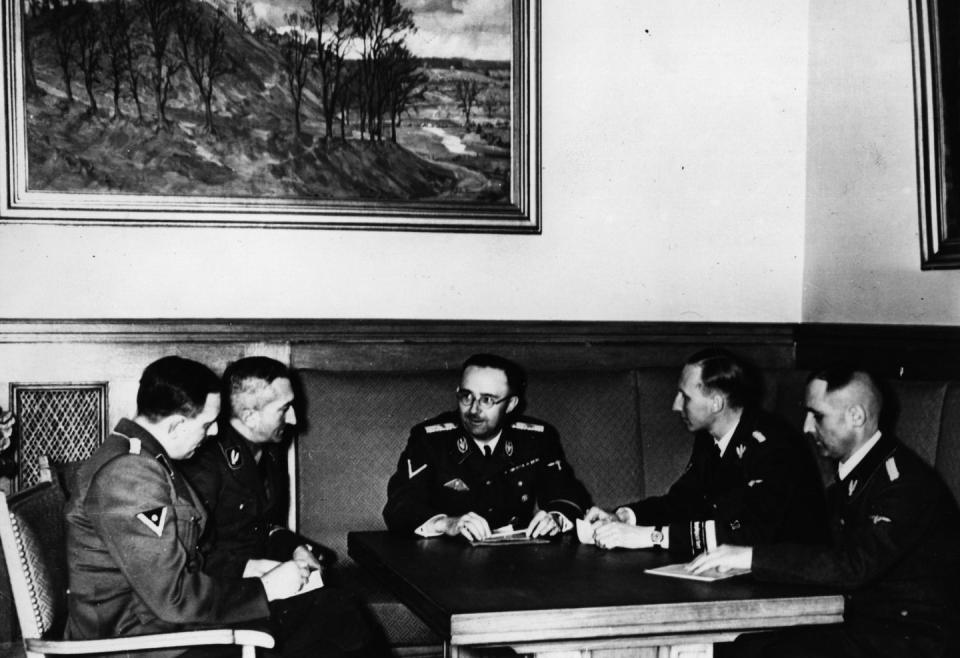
(471, 471)
(241, 477)
(750, 478)
(133, 524)
(894, 543)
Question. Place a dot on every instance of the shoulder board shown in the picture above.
(892, 471)
(442, 427)
(530, 427)
(759, 437)
(135, 446)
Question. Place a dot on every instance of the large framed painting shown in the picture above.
(935, 26)
(373, 114)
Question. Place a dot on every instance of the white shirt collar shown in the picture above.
(490, 442)
(724, 440)
(844, 467)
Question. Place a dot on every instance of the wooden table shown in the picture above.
(566, 599)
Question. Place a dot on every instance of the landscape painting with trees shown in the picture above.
(379, 107)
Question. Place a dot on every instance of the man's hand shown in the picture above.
(256, 568)
(285, 580)
(542, 525)
(7, 421)
(724, 558)
(616, 534)
(471, 525)
(305, 557)
(595, 514)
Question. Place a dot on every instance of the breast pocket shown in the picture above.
(188, 532)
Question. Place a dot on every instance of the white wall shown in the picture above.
(674, 164)
(862, 257)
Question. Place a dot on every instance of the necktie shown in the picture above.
(487, 452)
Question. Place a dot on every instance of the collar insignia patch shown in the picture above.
(508, 448)
(759, 437)
(851, 487)
(462, 445)
(233, 458)
(740, 450)
(154, 519)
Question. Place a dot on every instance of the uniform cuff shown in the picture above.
(427, 528)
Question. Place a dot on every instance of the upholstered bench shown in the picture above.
(618, 430)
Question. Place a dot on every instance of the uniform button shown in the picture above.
(904, 613)
(487, 483)
(489, 509)
(524, 498)
(843, 522)
(519, 483)
(242, 505)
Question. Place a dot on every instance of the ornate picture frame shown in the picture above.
(935, 29)
(240, 164)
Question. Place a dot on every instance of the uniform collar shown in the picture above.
(148, 442)
(489, 442)
(846, 467)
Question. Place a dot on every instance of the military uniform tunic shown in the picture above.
(442, 471)
(248, 501)
(895, 553)
(765, 488)
(133, 525)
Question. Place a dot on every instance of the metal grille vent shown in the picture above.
(66, 422)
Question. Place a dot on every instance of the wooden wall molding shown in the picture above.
(431, 344)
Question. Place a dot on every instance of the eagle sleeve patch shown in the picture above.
(154, 519)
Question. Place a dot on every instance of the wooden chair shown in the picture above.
(32, 531)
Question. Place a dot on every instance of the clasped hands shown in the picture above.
(283, 579)
(476, 528)
(617, 530)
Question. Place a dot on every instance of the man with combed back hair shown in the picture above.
(894, 549)
(750, 478)
(241, 476)
(134, 523)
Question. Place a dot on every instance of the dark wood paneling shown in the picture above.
(895, 351)
(371, 345)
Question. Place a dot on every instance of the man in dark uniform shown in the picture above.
(750, 478)
(895, 538)
(133, 524)
(241, 477)
(478, 469)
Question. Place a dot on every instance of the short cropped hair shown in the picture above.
(245, 380)
(840, 375)
(516, 377)
(723, 371)
(174, 385)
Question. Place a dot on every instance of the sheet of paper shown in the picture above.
(679, 571)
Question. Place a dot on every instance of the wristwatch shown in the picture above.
(657, 536)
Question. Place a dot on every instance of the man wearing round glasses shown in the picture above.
(480, 469)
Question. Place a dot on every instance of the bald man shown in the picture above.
(895, 549)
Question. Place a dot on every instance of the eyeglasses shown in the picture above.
(484, 401)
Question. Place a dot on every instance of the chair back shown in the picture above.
(32, 532)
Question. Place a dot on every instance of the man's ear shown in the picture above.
(717, 403)
(857, 415)
(246, 417)
(512, 404)
(173, 422)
